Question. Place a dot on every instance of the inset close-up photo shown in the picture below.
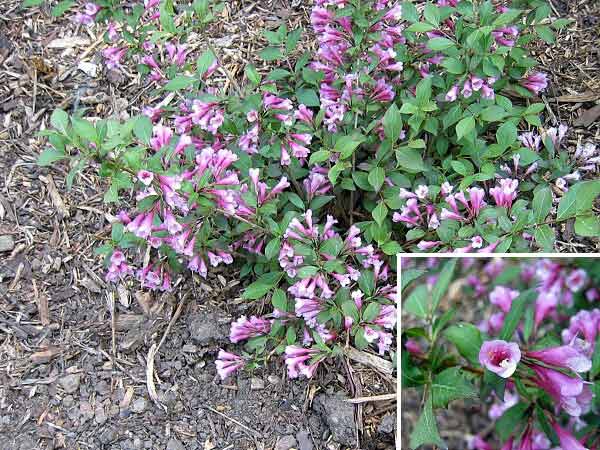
(500, 353)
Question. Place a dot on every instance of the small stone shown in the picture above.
(205, 329)
(257, 384)
(70, 383)
(189, 348)
(139, 405)
(304, 440)
(7, 243)
(339, 416)
(286, 443)
(387, 424)
(174, 444)
(88, 68)
(68, 401)
(108, 435)
(273, 379)
(100, 417)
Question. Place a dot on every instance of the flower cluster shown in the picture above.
(322, 298)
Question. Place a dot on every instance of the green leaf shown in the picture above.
(545, 426)
(252, 74)
(492, 383)
(349, 309)
(332, 247)
(380, 213)
(260, 287)
(408, 276)
(270, 53)
(450, 385)
(506, 135)
(84, 129)
(439, 43)
(545, 32)
(307, 271)
(142, 128)
(465, 127)
(335, 171)
(426, 431)
(453, 65)
(432, 14)
(391, 248)
(279, 300)
(59, 120)
(366, 282)
(179, 82)
(417, 302)
(347, 144)
(62, 7)
(588, 225)
(319, 156)
(371, 312)
(467, 339)
(392, 123)
(117, 231)
(31, 3)
(51, 155)
(544, 237)
(272, 248)
(292, 40)
(511, 420)
(442, 283)
(410, 159)
(420, 27)
(493, 113)
(409, 12)
(542, 204)
(376, 178)
(308, 97)
(515, 314)
(278, 74)
(204, 62)
(578, 199)
(596, 360)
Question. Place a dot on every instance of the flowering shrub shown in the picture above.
(533, 357)
(402, 116)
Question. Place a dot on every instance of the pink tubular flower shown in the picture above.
(386, 317)
(503, 297)
(506, 36)
(428, 245)
(567, 440)
(304, 114)
(576, 280)
(506, 193)
(227, 363)
(295, 359)
(271, 101)
(177, 53)
(113, 56)
(245, 328)
(161, 137)
(145, 177)
(564, 389)
(572, 356)
(477, 443)
(500, 357)
(112, 32)
(535, 82)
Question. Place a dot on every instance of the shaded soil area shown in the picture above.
(74, 352)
